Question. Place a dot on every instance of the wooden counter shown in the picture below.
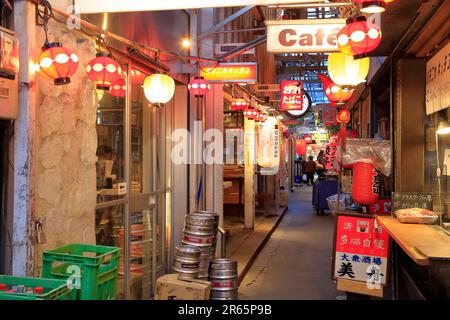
(425, 244)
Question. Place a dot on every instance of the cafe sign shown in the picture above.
(309, 35)
(231, 72)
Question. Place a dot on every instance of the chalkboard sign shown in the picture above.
(405, 200)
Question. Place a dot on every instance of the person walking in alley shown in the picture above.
(310, 169)
(322, 161)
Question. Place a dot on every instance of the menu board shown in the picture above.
(361, 250)
(405, 200)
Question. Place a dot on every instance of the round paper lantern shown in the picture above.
(334, 93)
(347, 72)
(250, 113)
(103, 70)
(57, 63)
(364, 175)
(300, 147)
(371, 6)
(118, 88)
(358, 37)
(343, 116)
(239, 105)
(198, 86)
(159, 88)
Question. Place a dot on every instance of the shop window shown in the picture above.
(111, 160)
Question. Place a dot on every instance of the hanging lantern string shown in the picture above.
(45, 14)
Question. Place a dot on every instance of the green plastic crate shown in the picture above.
(99, 267)
(53, 289)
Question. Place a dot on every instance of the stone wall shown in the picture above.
(66, 145)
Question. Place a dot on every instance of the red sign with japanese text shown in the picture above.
(291, 95)
(361, 250)
(331, 151)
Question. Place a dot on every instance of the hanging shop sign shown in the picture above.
(319, 35)
(361, 250)
(291, 97)
(306, 107)
(266, 87)
(231, 72)
(329, 113)
(438, 81)
(222, 48)
(331, 152)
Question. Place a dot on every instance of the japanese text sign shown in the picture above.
(406, 200)
(291, 95)
(361, 250)
(331, 151)
(381, 207)
(231, 72)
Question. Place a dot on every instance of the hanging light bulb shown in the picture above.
(159, 88)
(103, 70)
(57, 63)
(198, 86)
(358, 37)
(346, 71)
(371, 6)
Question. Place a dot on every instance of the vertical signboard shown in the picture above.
(438, 81)
(331, 152)
(361, 250)
(291, 95)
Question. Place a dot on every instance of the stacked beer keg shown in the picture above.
(223, 275)
(187, 262)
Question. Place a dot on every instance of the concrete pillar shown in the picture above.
(409, 131)
(24, 142)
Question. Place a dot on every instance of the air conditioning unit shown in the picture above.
(9, 67)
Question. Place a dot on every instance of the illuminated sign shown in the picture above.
(231, 72)
(306, 107)
(309, 35)
(291, 97)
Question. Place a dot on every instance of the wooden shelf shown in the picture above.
(425, 244)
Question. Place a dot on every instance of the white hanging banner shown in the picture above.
(102, 6)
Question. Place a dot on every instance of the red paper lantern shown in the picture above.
(198, 86)
(118, 88)
(103, 70)
(343, 116)
(300, 147)
(250, 113)
(239, 105)
(57, 63)
(359, 37)
(373, 6)
(363, 182)
(334, 92)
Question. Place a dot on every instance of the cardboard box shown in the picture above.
(168, 287)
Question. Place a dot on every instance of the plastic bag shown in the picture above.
(333, 202)
(376, 152)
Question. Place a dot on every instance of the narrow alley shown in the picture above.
(295, 262)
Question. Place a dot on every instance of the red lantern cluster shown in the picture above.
(373, 6)
(57, 63)
(358, 37)
(300, 147)
(103, 70)
(198, 86)
(363, 183)
(261, 117)
(343, 116)
(334, 92)
(239, 105)
(118, 88)
(250, 113)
